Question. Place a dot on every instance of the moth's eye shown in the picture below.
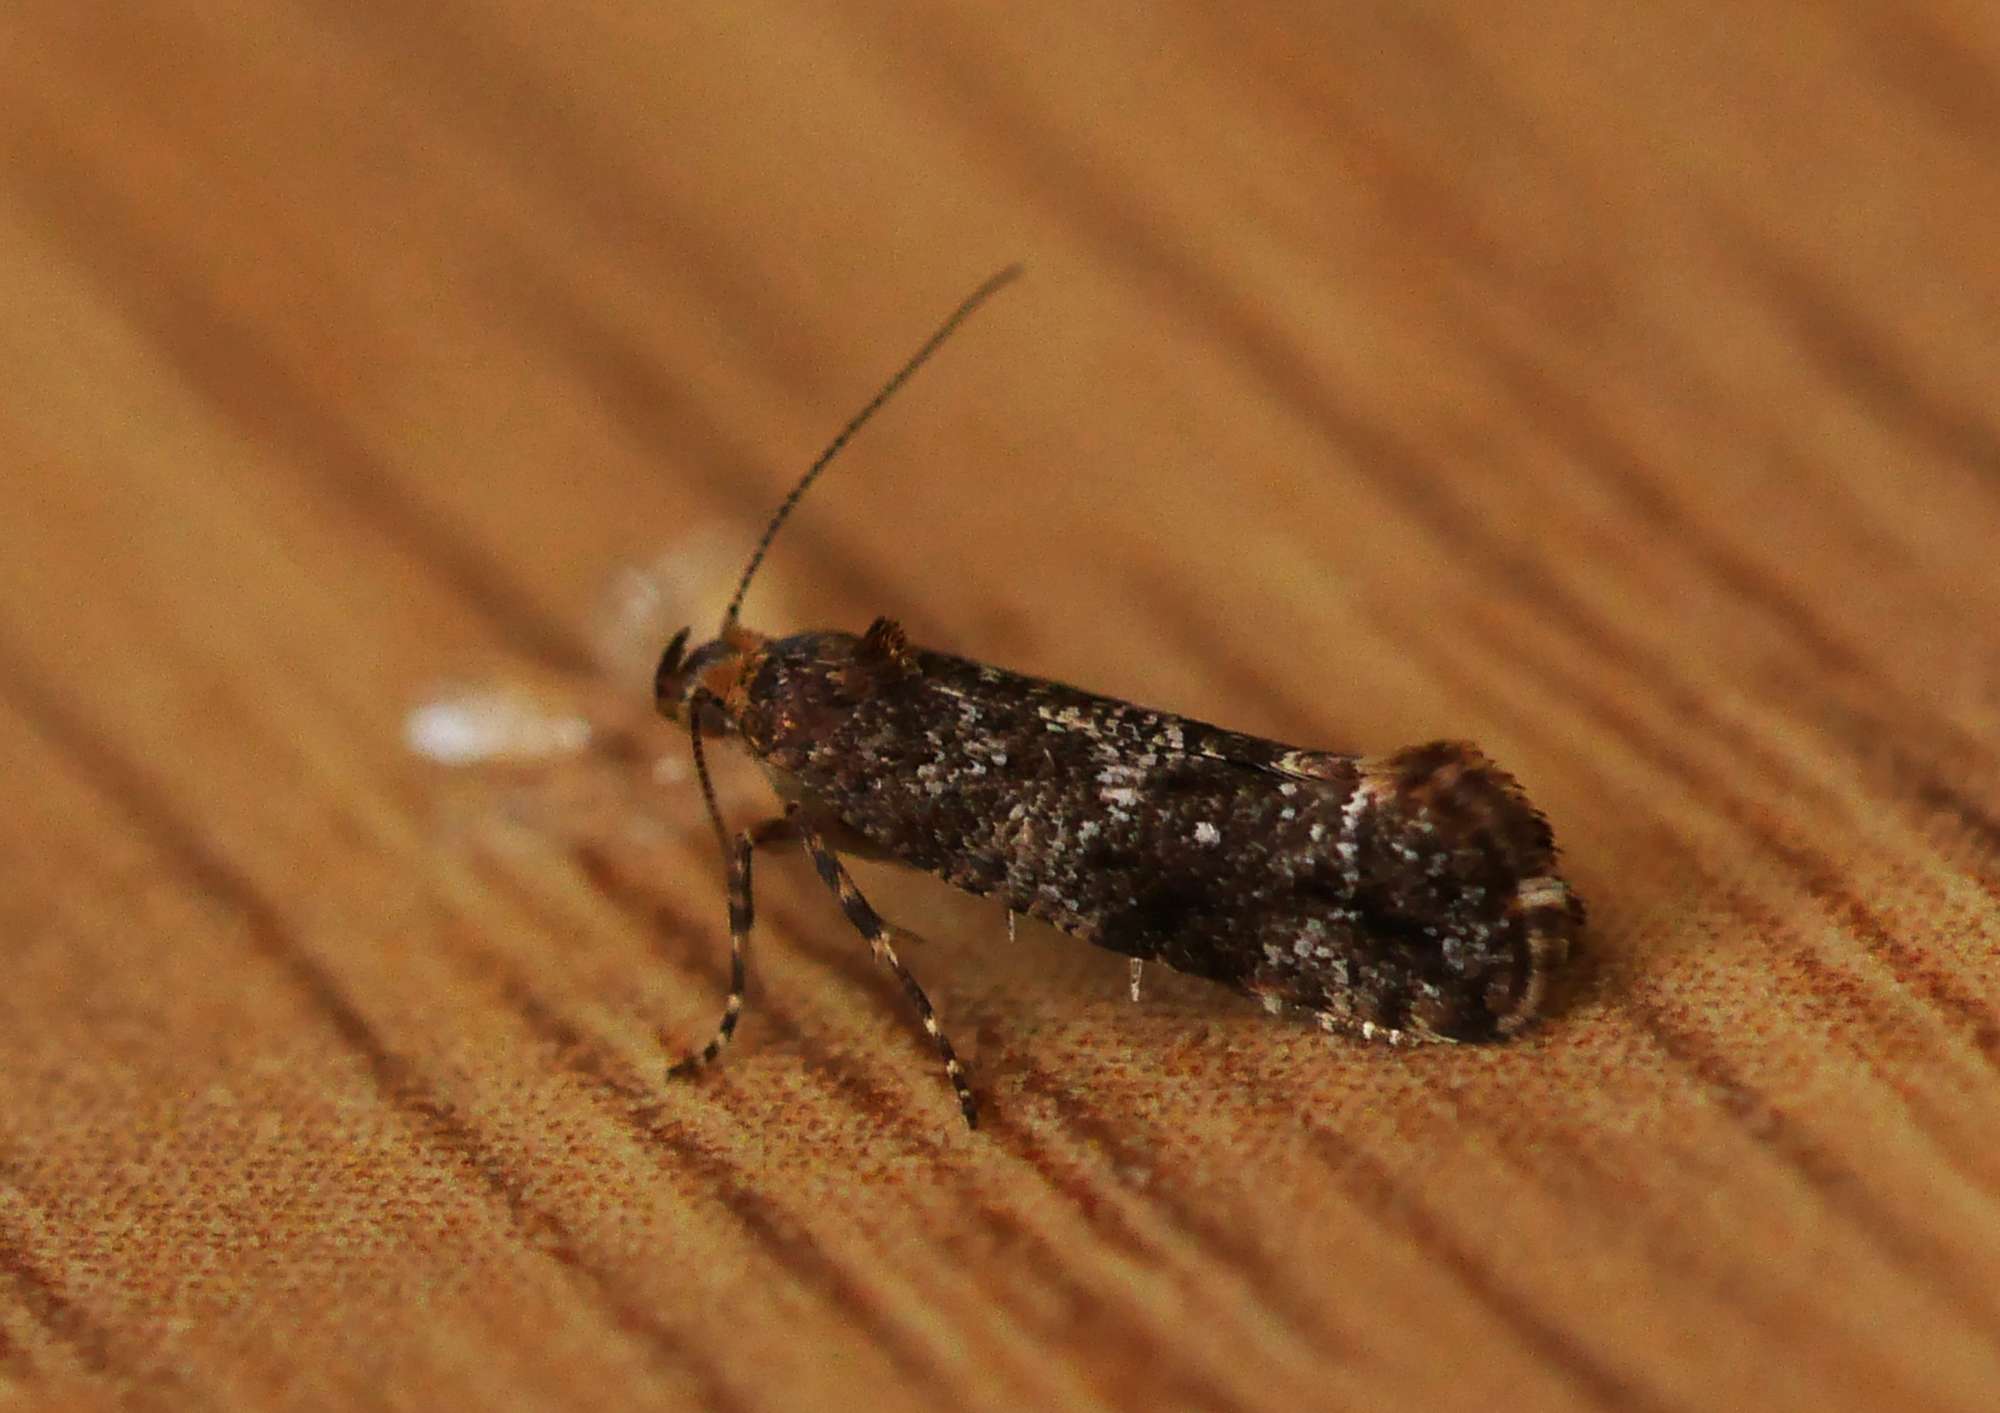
(711, 720)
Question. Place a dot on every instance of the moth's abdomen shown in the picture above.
(1445, 856)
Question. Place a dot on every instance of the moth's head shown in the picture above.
(704, 685)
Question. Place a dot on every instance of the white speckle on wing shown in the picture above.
(1206, 833)
(1542, 892)
(1350, 824)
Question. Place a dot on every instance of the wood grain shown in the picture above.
(1614, 388)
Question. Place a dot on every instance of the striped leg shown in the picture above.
(870, 925)
(771, 831)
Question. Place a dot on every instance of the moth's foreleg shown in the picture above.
(779, 829)
(880, 934)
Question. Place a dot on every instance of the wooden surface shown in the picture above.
(1612, 385)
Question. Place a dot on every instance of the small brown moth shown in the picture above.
(1404, 897)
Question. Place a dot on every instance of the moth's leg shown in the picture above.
(1137, 971)
(770, 831)
(870, 925)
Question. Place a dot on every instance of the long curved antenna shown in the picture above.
(917, 360)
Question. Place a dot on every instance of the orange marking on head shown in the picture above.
(727, 679)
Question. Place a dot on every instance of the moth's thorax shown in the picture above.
(792, 694)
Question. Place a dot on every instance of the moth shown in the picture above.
(1403, 897)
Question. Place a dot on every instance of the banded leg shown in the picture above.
(776, 830)
(870, 925)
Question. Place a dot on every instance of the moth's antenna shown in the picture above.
(931, 345)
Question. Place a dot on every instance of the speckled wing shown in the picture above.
(1412, 895)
